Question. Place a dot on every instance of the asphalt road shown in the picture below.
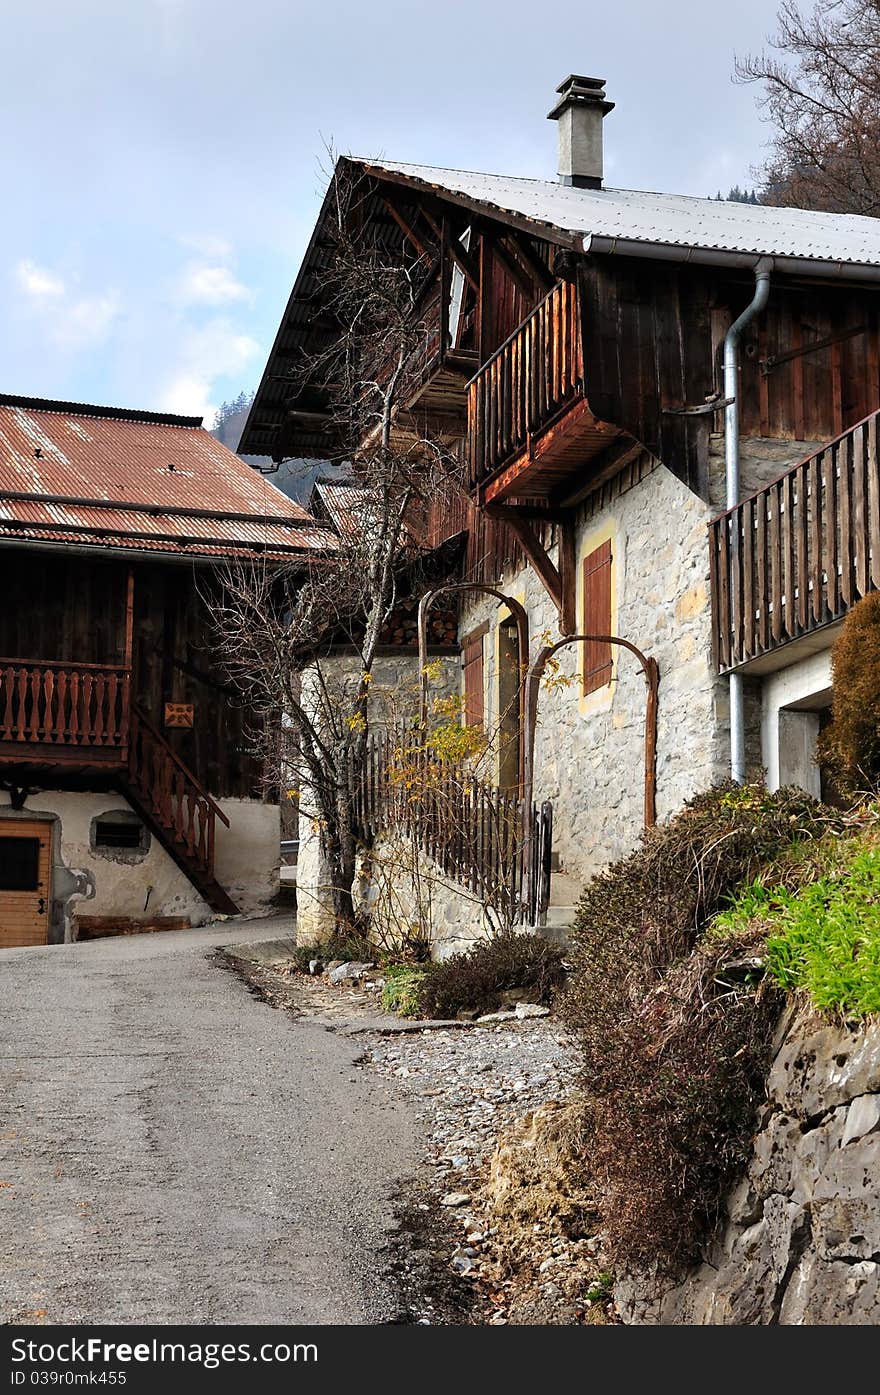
(173, 1150)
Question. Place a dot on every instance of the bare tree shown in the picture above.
(821, 78)
(277, 625)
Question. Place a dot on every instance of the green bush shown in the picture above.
(479, 980)
(674, 1032)
(850, 746)
(403, 988)
(823, 937)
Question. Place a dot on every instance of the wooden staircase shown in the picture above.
(169, 798)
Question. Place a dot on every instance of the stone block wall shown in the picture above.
(801, 1242)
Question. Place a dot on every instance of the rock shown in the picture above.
(315, 967)
(350, 970)
(832, 1294)
(523, 1010)
(456, 1199)
(507, 1015)
(863, 1117)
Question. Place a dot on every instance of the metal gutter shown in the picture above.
(744, 261)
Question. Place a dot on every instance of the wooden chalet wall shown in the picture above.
(72, 609)
(653, 337)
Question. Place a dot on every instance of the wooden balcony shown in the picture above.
(529, 425)
(63, 714)
(62, 721)
(796, 555)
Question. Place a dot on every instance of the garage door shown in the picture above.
(24, 883)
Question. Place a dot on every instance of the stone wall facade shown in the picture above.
(801, 1244)
(589, 752)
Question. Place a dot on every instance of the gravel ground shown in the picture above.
(469, 1085)
(469, 1089)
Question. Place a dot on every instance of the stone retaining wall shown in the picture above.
(801, 1243)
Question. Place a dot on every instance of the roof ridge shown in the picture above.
(88, 409)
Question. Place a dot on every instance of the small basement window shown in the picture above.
(119, 833)
(110, 834)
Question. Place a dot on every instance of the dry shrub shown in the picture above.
(537, 1173)
(675, 1042)
(479, 980)
(850, 746)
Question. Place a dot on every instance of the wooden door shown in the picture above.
(25, 873)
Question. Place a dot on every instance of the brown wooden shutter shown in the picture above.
(472, 659)
(597, 617)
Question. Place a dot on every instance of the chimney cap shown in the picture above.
(577, 90)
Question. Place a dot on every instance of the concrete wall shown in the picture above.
(144, 884)
(791, 701)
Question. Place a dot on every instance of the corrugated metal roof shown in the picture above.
(73, 475)
(676, 220)
(344, 504)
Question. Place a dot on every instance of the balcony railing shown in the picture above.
(67, 710)
(535, 374)
(799, 553)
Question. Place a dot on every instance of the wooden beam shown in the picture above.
(535, 264)
(408, 231)
(534, 550)
(462, 259)
(567, 576)
(532, 227)
(129, 618)
(613, 459)
(525, 283)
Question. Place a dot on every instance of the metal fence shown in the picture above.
(478, 835)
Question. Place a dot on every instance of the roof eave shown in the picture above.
(721, 257)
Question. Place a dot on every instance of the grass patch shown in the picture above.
(823, 936)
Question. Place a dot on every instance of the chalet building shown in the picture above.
(129, 793)
(666, 409)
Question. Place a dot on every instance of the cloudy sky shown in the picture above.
(161, 160)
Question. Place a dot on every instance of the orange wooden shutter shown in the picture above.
(472, 657)
(597, 617)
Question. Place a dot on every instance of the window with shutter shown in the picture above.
(596, 658)
(472, 660)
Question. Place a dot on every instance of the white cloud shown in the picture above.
(37, 281)
(85, 323)
(215, 350)
(70, 321)
(201, 284)
(213, 249)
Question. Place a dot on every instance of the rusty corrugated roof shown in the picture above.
(104, 477)
(344, 505)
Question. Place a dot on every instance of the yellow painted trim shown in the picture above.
(609, 531)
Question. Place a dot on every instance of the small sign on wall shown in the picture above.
(178, 714)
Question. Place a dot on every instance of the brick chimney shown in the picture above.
(580, 111)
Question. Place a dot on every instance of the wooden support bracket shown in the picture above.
(535, 551)
(452, 245)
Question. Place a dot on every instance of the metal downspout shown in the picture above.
(731, 469)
